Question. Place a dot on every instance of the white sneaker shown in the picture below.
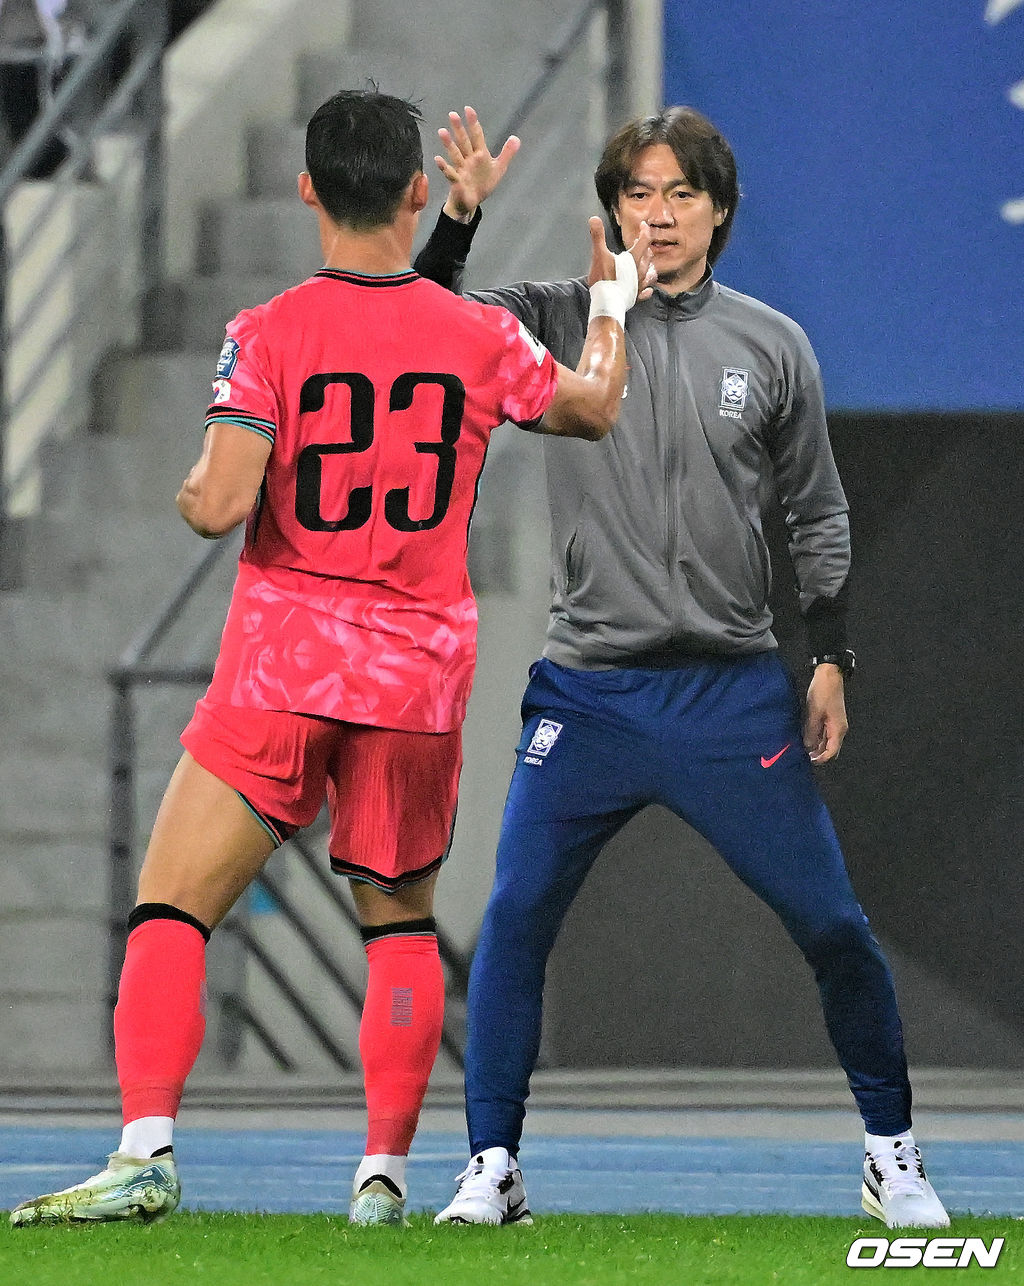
(141, 1189)
(490, 1191)
(896, 1189)
(378, 1201)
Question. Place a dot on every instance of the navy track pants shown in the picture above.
(719, 743)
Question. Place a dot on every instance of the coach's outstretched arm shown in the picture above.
(587, 401)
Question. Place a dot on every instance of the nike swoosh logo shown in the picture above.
(767, 763)
(513, 1211)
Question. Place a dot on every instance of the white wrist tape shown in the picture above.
(615, 298)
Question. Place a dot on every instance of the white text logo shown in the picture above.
(534, 344)
(228, 359)
(931, 1252)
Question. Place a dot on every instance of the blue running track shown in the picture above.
(282, 1171)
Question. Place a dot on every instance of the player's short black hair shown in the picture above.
(704, 157)
(362, 149)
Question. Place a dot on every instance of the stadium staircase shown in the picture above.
(107, 547)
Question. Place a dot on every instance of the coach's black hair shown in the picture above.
(704, 157)
(362, 149)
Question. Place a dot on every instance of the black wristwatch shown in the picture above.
(845, 660)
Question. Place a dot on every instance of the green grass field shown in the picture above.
(559, 1250)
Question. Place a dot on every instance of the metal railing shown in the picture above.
(71, 239)
(137, 667)
(576, 29)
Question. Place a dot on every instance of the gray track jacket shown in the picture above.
(657, 550)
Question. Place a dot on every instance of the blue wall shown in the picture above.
(877, 146)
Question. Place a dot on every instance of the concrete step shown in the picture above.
(436, 86)
(134, 565)
(272, 234)
(53, 799)
(75, 639)
(206, 305)
(64, 632)
(63, 877)
(42, 952)
(155, 396)
(42, 713)
(57, 556)
(507, 43)
(151, 411)
(136, 477)
(68, 717)
(320, 75)
(137, 590)
(127, 563)
(275, 156)
(54, 1033)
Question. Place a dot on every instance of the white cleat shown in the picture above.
(378, 1201)
(490, 1191)
(896, 1190)
(134, 1189)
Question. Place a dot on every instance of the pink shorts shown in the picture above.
(390, 794)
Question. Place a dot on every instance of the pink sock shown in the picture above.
(399, 1036)
(159, 1020)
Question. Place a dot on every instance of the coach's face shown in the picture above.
(682, 219)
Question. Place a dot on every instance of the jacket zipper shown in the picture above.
(568, 563)
(671, 507)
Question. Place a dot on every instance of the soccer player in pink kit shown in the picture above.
(350, 420)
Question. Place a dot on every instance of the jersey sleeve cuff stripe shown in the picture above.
(265, 428)
(235, 413)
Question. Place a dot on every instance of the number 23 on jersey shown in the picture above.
(316, 457)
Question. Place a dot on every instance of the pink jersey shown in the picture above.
(379, 395)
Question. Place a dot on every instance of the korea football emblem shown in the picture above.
(544, 738)
(734, 388)
(228, 359)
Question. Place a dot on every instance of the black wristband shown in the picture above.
(825, 619)
(457, 234)
(846, 660)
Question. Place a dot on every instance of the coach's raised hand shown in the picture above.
(470, 169)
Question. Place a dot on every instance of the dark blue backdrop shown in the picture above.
(878, 146)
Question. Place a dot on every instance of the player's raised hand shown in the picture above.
(470, 169)
(646, 273)
(602, 260)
